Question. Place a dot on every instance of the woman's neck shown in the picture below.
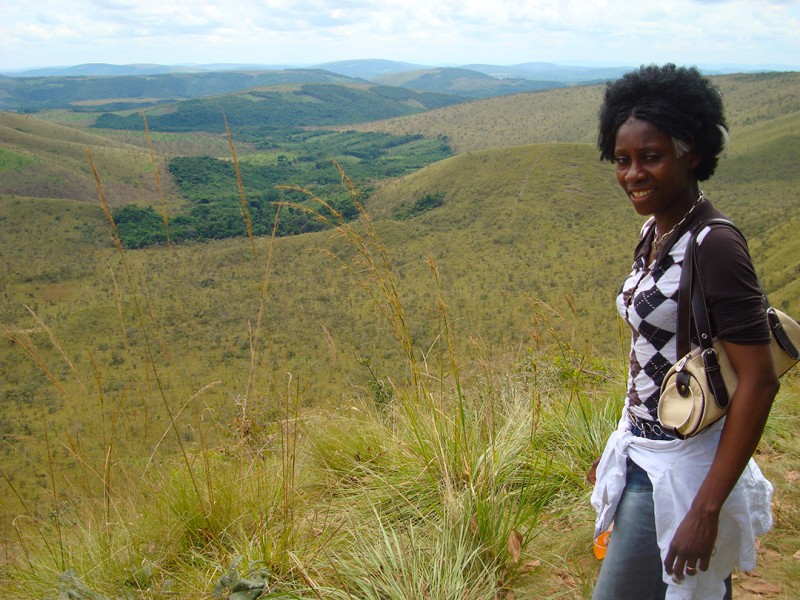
(662, 236)
(667, 220)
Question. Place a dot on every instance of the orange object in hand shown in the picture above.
(601, 543)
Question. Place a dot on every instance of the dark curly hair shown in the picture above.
(678, 100)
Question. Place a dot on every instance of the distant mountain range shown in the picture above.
(107, 87)
(106, 69)
(372, 69)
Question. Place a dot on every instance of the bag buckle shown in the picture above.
(710, 359)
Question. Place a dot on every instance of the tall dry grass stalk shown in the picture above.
(372, 268)
(257, 331)
(161, 198)
(240, 185)
(23, 340)
(140, 316)
(54, 490)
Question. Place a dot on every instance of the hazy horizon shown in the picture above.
(156, 68)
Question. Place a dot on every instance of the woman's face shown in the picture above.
(657, 180)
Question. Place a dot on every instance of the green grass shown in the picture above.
(14, 161)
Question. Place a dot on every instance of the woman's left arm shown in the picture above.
(693, 542)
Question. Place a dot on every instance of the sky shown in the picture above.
(38, 33)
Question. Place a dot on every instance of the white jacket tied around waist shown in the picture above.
(676, 469)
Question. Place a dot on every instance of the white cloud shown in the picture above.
(430, 32)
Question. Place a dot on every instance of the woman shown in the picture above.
(685, 512)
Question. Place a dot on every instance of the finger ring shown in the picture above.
(691, 570)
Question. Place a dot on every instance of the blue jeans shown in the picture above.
(632, 566)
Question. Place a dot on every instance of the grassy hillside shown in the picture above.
(564, 115)
(570, 115)
(41, 159)
(201, 301)
(511, 229)
(518, 227)
(318, 400)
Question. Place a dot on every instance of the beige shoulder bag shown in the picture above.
(697, 390)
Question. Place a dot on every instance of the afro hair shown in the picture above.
(677, 100)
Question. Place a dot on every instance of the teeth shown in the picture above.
(640, 194)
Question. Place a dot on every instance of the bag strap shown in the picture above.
(775, 326)
(709, 354)
(691, 302)
(778, 332)
(685, 288)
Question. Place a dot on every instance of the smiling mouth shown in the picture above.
(638, 194)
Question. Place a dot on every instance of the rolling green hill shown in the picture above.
(262, 111)
(126, 91)
(464, 82)
(45, 159)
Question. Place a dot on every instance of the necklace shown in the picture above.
(658, 240)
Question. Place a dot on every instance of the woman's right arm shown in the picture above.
(693, 542)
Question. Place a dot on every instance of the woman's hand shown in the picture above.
(692, 545)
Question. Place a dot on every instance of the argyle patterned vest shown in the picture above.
(648, 302)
